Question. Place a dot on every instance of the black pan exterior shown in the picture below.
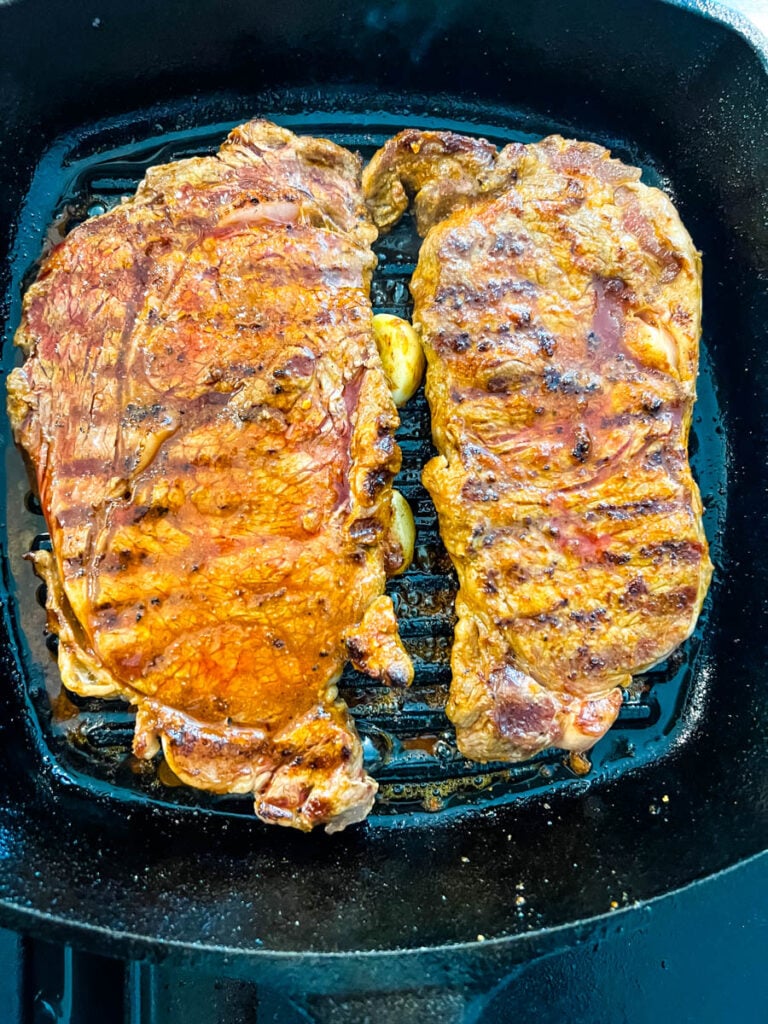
(89, 864)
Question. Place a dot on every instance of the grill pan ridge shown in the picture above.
(408, 742)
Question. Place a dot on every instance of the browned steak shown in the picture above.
(559, 301)
(212, 436)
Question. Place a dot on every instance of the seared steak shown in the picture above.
(212, 436)
(558, 300)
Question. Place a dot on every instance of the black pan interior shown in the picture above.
(409, 744)
(454, 853)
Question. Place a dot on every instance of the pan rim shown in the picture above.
(278, 960)
(540, 941)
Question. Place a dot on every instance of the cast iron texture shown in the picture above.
(137, 878)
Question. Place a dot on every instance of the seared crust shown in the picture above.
(213, 442)
(375, 648)
(559, 303)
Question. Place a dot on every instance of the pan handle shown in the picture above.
(168, 995)
(422, 1006)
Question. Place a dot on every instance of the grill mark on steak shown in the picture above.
(577, 536)
(200, 392)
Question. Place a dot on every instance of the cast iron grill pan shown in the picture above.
(408, 742)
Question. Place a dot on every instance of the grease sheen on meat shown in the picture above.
(212, 436)
(558, 299)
